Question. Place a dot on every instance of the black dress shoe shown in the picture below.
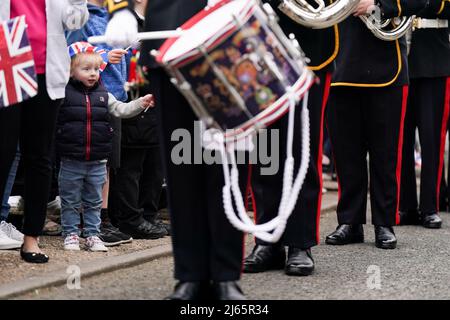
(385, 237)
(345, 234)
(33, 257)
(411, 218)
(145, 230)
(265, 257)
(227, 290)
(432, 221)
(299, 263)
(196, 291)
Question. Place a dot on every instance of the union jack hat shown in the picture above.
(81, 46)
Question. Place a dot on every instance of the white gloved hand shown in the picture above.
(122, 29)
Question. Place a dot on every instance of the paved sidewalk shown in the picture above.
(419, 269)
(18, 278)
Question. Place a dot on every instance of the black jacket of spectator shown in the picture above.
(141, 131)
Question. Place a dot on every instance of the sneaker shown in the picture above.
(72, 242)
(10, 230)
(16, 204)
(94, 243)
(51, 228)
(108, 227)
(7, 243)
(109, 239)
(14, 201)
(158, 222)
(164, 225)
(55, 204)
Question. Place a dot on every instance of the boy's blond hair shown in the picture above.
(92, 57)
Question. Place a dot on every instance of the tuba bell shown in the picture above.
(398, 27)
(320, 16)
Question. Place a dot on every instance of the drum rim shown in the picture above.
(187, 25)
(266, 117)
(302, 86)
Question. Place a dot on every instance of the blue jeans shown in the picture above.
(4, 209)
(80, 189)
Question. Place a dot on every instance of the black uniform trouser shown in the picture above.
(444, 197)
(428, 110)
(34, 122)
(367, 121)
(205, 245)
(138, 183)
(302, 229)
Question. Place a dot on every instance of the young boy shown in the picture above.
(84, 142)
(114, 77)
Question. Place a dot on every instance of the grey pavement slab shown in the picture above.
(418, 269)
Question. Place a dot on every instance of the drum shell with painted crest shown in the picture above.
(236, 67)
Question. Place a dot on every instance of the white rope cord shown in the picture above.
(287, 183)
(285, 210)
(290, 192)
(288, 173)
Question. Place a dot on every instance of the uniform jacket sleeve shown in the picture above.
(123, 110)
(436, 9)
(75, 14)
(398, 8)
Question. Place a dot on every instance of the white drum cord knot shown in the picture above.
(272, 230)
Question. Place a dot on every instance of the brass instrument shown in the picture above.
(319, 17)
(398, 27)
(323, 16)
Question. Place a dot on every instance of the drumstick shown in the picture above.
(152, 35)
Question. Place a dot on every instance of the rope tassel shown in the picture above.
(272, 230)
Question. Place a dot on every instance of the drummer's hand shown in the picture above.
(364, 8)
(147, 101)
(115, 55)
(122, 29)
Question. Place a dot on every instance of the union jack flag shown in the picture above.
(18, 80)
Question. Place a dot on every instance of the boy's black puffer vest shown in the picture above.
(83, 129)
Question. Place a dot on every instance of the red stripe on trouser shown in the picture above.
(250, 189)
(247, 190)
(243, 252)
(326, 94)
(443, 134)
(248, 186)
(399, 151)
(335, 166)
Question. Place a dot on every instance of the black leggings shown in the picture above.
(34, 122)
